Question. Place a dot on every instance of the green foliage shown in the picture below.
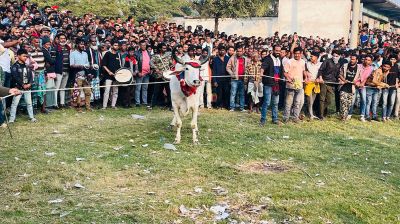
(155, 9)
(141, 9)
(232, 8)
(104, 8)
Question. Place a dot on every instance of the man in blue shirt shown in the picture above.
(364, 39)
(80, 63)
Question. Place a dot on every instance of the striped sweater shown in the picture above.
(37, 55)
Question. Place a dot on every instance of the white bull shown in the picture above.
(184, 95)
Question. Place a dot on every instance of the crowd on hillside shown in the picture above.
(45, 49)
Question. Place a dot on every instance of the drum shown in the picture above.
(123, 75)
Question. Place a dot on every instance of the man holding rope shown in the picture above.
(4, 91)
(295, 72)
(272, 70)
(328, 74)
(80, 62)
(348, 73)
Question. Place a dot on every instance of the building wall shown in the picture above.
(329, 19)
(260, 27)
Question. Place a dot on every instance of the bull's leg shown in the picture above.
(193, 124)
(173, 122)
(178, 124)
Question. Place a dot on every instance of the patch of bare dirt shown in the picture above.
(264, 167)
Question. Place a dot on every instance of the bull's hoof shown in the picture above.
(170, 127)
(177, 142)
(196, 142)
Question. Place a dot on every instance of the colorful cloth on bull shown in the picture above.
(39, 84)
(186, 89)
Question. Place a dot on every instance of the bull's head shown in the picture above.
(191, 69)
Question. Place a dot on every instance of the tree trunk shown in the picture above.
(216, 24)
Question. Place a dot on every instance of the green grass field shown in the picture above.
(313, 172)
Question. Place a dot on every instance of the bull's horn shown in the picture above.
(168, 74)
(178, 60)
(202, 62)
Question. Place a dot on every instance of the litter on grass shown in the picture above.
(169, 146)
(183, 210)
(24, 175)
(320, 183)
(63, 214)
(118, 148)
(50, 154)
(137, 117)
(79, 186)
(198, 190)
(220, 211)
(55, 201)
(220, 191)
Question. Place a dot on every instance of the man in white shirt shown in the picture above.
(294, 74)
(208, 43)
(312, 68)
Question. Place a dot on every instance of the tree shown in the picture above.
(103, 8)
(141, 9)
(155, 9)
(231, 9)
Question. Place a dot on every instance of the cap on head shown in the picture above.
(45, 40)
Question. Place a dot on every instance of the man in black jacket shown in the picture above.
(272, 73)
(21, 78)
(220, 78)
(50, 74)
(328, 74)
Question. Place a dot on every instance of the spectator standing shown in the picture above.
(236, 68)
